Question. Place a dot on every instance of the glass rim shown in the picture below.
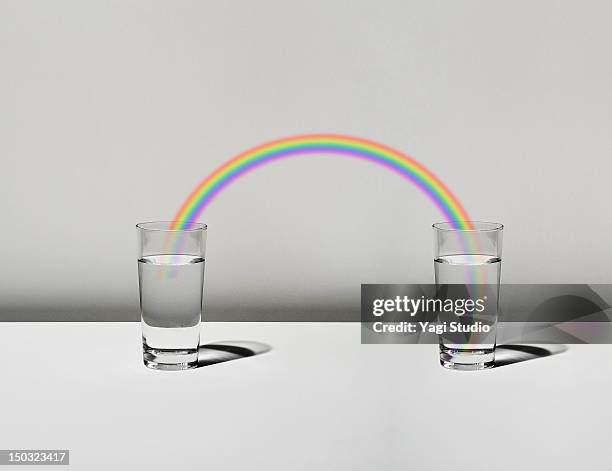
(447, 226)
(148, 226)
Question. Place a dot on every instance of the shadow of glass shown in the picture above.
(220, 352)
(517, 353)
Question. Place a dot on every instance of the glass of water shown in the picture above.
(171, 279)
(467, 265)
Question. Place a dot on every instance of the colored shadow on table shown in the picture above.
(220, 352)
(511, 354)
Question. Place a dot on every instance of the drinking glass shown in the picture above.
(171, 278)
(467, 265)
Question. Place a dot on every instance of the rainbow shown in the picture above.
(405, 166)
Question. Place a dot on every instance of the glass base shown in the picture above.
(467, 359)
(170, 359)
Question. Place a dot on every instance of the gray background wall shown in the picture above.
(111, 112)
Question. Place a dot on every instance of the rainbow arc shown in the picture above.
(333, 144)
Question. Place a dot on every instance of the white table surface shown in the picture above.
(317, 400)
